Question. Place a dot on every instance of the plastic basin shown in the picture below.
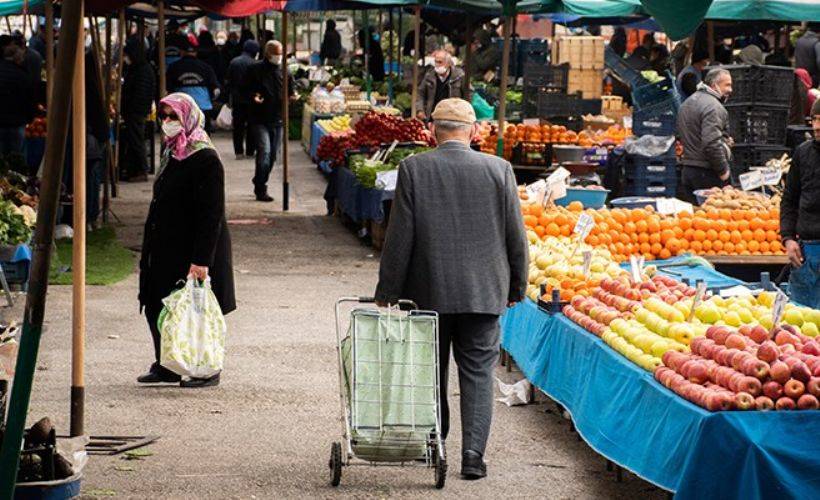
(590, 198)
(630, 202)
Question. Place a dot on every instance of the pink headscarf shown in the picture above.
(193, 137)
(805, 79)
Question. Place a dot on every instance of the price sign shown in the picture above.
(536, 190)
(751, 180)
(771, 176)
(587, 262)
(780, 301)
(701, 290)
(636, 268)
(559, 175)
(584, 226)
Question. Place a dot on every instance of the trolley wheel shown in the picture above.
(441, 471)
(335, 464)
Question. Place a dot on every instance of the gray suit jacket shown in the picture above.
(456, 240)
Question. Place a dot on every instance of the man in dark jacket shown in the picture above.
(16, 102)
(375, 55)
(265, 117)
(138, 90)
(32, 61)
(195, 78)
(800, 218)
(331, 48)
(442, 81)
(467, 268)
(236, 87)
(807, 55)
(703, 128)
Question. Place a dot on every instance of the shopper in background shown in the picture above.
(16, 99)
(618, 41)
(232, 49)
(185, 232)
(807, 55)
(32, 61)
(800, 218)
(443, 81)
(659, 58)
(750, 54)
(486, 56)
(703, 128)
(208, 53)
(467, 268)
(195, 78)
(265, 116)
(692, 75)
(801, 100)
(331, 48)
(176, 42)
(645, 48)
(375, 55)
(236, 81)
(138, 91)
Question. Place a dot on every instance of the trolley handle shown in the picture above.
(404, 304)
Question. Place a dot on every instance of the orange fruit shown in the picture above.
(756, 224)
(633, 237)
(747, 234)
(653, 224)
(666, 235)
(701, 224)
(539, 230)
(775, 246)
(765, 247)
(731, 225)
(641, 226)
(684, 245)
(770, 236)
(689, 234)
(645, 248)
(530, 220)
(673, 246)
(740, 248)
(728, 247)
(655, 248)
(575, 206)
(643, 238)
(685, 223)
(742, 225)
(711, 235)
(735, 236)
(664, 253)
(638, 214)
(665, 224)
(625, 239)
(726, 214)
(707, 245)
(753, 246)
(760, 234)
(619, 216)
(696, 246)
(725, 236)
(561, 219)
(772, 225)
(544, 220)
(553, 229)
(678, 231)
(721, 225)
(629, 227)
(699, 235)
(592, 240)
(717, 246)
(713, 214)
(566, 230)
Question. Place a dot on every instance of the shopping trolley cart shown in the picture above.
(389, 389)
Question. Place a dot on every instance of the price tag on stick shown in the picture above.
(751, 180)
(771, 176)
(636, 267)
(701, 290)
(582, 229)
(780, 301)
(587, 261)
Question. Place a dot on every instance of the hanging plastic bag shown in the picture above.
(648, 145)
(224, 120)
(192, 330)
(483, 110)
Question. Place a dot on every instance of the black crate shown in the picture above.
(662, 93)
(639, 167)
(622, 70)
(649, 122)
(540, 75)
(554, 105)
(754, 155)
(589, 107)
(769, 85)
(534, 154)
(17, 273)
(529, 99)
(655, 189)
(758, 124)
(797, 135)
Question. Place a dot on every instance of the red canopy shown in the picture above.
(227, 8)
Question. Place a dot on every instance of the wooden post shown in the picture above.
(400, 40)
(43, 240)
(49, 6)
(78, 243)
(8, 25)
(285, 120)
(468, 53)
(161, 46)
(118, 104)
(367, 41)
(710, 40)
(502, 90)
(415, 87)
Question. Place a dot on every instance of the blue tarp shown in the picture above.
(627, 416)
(694, 274)
(316, 134)
(359, 203)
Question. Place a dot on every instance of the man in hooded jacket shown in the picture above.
(138, 90)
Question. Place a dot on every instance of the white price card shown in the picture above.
(751, 180)
(536, 190)
(584, 226)
(387, 179)
(587, 262)
(771, 176)
(700, 291)
(780, 301)
(636, 267)
(737, 291)
(559, 175)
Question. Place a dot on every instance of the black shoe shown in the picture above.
(195, 383)
(157, 374)
(472, 465)
(264, 197)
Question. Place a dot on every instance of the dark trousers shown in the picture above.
(267, 143)
(474, 339)
(241, 130)
(12, 139)
(133, 153)
(694, 178)
(152, 311)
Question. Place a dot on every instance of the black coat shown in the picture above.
(265, 79)
(16, 100)
(186, 225)
(331, 46)
(800, 205)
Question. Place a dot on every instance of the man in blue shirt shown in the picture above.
(195, 78)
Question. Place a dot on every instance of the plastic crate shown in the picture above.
(542, 75)
(630, 202)
(617, 64)
(769, 85)
(654, 190)
(589, 106)
(639, 168)
(797, 135)
(662, 93)
(552, 104)
(529, 98)
(535, 154)
(758, 124)
(754, 155)
(17, 273)
(650, 123)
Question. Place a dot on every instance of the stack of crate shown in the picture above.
(651, 176)
(585, 55)
(612, 106)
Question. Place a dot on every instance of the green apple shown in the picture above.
(707, 312)
(659, 347)
(766, 299)
(732, 318)
(793, 317)
(766, 322)
(745, 315)
(809, 329)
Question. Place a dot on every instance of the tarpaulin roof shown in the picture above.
(765, 10)
(12, 7)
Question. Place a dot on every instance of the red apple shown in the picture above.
(773, 390)
(739, 358)
(744, 330)
(764, 403)
(780, 372)
(719, 401)
(744, 401)
(813, 386)
(759, 334)
(735, 341)
(811, 347)
(784, 403)
(720, 335)
(788, 349)
(698, 373)
(750, 385)
(768, 351)
(794, 388)
(816, 371)
(756, 368)
(807, 402)
(726, 357)
(801, 372)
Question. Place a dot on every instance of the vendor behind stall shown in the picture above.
(487, 57)
(692, 75)
(443, 81)
(800, 218)
(703, 125)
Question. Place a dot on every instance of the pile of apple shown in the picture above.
(746, 369)
(592, 314)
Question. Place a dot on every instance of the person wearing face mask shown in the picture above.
(443, 81)
(138, 90)
(265, 114)
(800, 218)
(703, 128)
(195, 78)
(185, 232)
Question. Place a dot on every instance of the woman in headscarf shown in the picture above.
(185, 232)
(803, 87)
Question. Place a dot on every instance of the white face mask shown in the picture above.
(441, 70)
(171, 128)
(275, 59)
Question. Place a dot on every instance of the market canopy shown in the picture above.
(12, 7)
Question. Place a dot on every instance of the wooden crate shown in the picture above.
(590, 82)
(581, 52)
(618, 114)
(612, 103)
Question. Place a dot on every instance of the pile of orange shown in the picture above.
(642, 231)
(546, 134)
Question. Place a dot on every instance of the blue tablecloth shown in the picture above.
(316, 134)
(357, 202)
(696, 273)
(627, 416)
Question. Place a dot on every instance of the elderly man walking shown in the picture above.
(456, 245)
(703, 128)
(443, 81)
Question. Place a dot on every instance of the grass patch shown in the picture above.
(107, 261)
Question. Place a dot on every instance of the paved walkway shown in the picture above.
(265, 432)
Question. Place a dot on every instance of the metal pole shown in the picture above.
(502, 91)
(468, 52)
(390, 34)
(118, 105)
(42, 241)
(710, 40)
(285, 120)
(415, 87)
(78, 244)
(367, 77)
(49, 6)
(161, 37)
(400, 39)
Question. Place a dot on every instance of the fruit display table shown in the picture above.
(316, 134)
(359, 203)
(631, 419)
(679, 268)
(748, 267)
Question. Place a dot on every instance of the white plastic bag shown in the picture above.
(192, 330)
(224, 120)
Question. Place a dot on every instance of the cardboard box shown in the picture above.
(581, 52)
